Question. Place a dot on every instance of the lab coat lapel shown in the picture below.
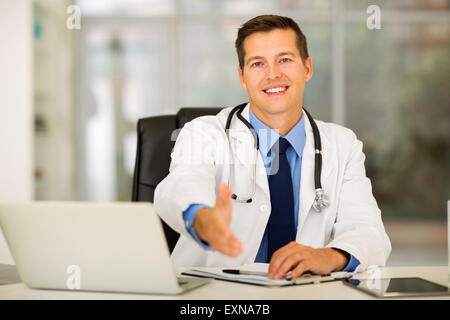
(243, 147)
(307, 192)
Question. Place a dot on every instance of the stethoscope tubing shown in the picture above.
(321, 200)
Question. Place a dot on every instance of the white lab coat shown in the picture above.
(200, 160)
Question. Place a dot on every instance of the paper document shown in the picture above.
(217, 273)
(247, 274)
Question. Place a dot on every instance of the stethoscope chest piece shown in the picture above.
(320, 201)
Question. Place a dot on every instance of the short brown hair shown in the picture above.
(266, 23)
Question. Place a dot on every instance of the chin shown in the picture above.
(273, 106)
(275, 109)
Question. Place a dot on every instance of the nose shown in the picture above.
(273, 71)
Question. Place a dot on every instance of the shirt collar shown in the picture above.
(267, 136)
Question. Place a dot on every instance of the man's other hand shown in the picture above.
(299, 259)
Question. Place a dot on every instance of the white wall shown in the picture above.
(16, 109)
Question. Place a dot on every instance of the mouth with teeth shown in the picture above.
(276, 91)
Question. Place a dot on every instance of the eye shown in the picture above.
(285, 60)
(256, 64)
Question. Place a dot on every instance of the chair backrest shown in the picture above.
(154, 146)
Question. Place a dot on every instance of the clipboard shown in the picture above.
(305, 279)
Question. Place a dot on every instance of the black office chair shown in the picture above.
(154, 147)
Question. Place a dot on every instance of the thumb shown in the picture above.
(224, 199)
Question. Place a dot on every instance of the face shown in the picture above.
(274, 74)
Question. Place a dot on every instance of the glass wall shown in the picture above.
(390, 85)
(397, 89)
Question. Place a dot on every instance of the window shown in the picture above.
(391, 86)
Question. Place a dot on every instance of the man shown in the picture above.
(279, 225)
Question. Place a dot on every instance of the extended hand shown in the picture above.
(212, 225)
(299, 259)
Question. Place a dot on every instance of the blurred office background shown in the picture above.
(70, 98)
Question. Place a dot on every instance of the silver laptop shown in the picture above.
(118, 247)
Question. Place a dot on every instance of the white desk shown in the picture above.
(223, 290)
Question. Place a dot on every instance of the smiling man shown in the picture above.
(231, 212)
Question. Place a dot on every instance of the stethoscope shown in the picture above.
(320, 200)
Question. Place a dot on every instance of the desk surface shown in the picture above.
(223, 290)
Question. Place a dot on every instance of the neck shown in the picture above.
(283, 122)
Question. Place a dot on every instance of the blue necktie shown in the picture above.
(281, 229)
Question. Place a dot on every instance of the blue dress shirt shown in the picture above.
(267, 138)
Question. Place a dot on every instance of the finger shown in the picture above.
(225, 190)
(275, 262)
(278, 256)
(290, 262)
(223, 240)
(231, 247)
(300, 269)
(229, 244)
(234, 248)
(223, 201)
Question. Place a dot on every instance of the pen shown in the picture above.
(243, 272)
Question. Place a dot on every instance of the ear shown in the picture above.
(308, 69)
(241, 78)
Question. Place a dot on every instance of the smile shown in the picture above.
(276, 90)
